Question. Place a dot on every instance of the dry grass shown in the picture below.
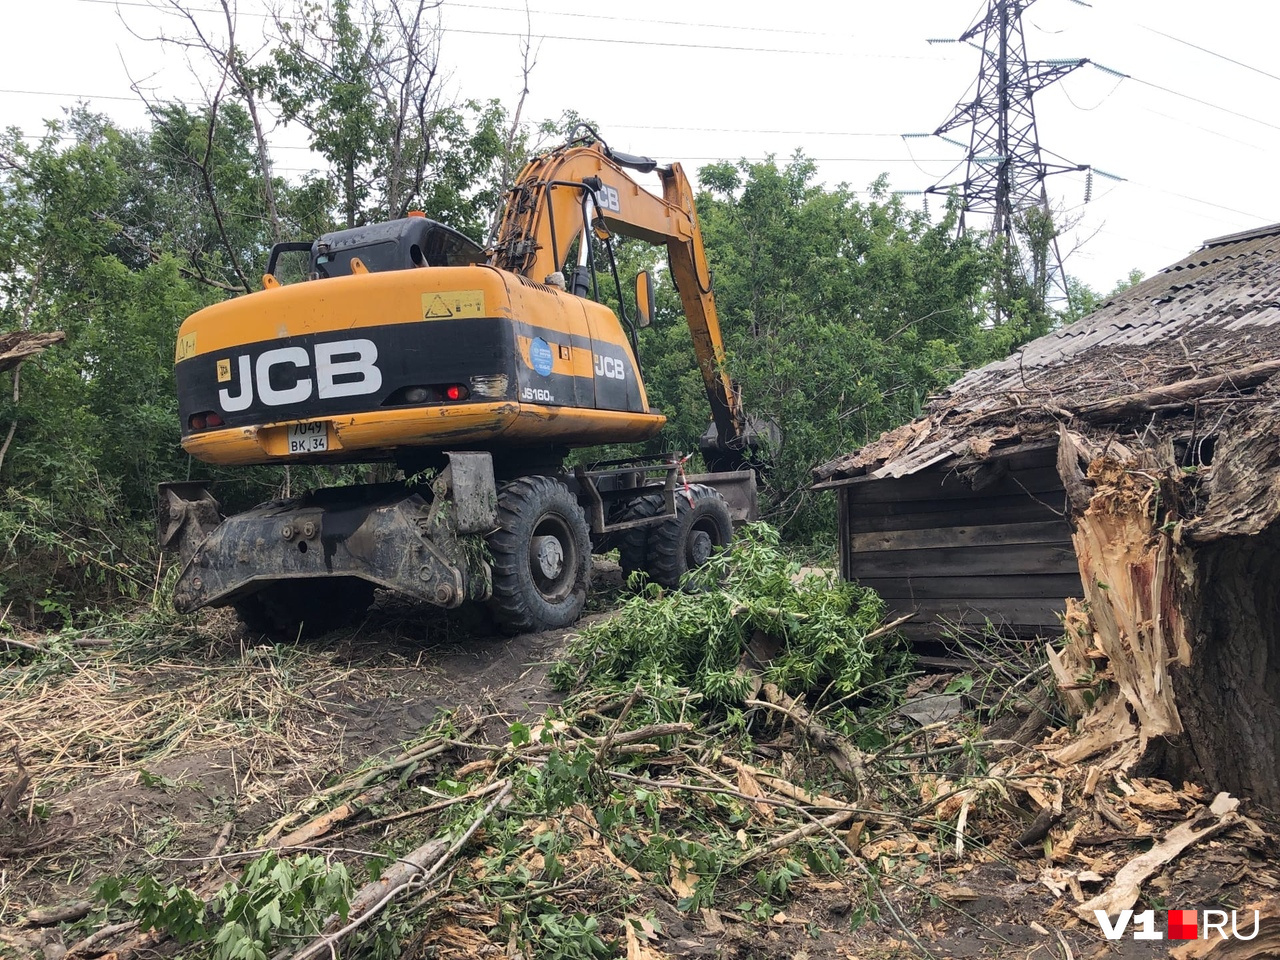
(105, 716)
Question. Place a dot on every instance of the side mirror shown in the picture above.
(644, 298)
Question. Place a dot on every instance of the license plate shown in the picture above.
(308, 437)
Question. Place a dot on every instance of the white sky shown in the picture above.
(713, 79)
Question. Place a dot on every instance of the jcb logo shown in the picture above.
(610, 367)
(609, 199)
(343, 368)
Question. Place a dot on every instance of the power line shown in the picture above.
(604, 124)
(70, 96)
(1212, 53)
(1184, 42)
(662, 23)
(1187, 96)
(494, 7)
(792, 133)
(1207, 203)
(575, 38)
(1209, 130)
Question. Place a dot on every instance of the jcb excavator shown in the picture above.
(475, 374)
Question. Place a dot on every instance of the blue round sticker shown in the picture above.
(540, 356)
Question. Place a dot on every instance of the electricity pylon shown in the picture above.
(1005, 172)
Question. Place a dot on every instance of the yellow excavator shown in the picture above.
(475, 373)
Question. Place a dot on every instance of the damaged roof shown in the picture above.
(1209, 317)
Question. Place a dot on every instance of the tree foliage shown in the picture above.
(841, 312)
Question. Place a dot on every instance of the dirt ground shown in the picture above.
(137, 762)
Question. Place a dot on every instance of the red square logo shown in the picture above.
(1182, 925)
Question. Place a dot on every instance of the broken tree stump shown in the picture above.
(1188, 618)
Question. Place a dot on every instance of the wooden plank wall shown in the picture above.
(932, 544)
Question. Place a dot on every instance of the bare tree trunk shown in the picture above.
(250, 98)
(13, 426)
(529, 61)
(203, 164)
(349, 189)
(409, 92)
(231, 63)
(1229, 696)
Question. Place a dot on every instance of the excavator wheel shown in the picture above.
(633, 545)
(541, 556)
(687, 540)
(292, 609)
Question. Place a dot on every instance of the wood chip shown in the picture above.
(711, 920)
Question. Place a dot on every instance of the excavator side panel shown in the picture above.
(613, 365)
(553, 347)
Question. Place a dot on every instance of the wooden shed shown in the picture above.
(1132, 460)
(959, 544)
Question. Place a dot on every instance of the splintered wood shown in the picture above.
(1131, 579)
(1131, 629)
(23, 344)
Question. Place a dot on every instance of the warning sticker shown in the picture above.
(186, 348)
(454, 305)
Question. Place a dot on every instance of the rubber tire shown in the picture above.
(519, 603)
(309, 608)
(674, 543)
(633, 545)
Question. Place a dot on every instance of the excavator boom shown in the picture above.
(559, 196)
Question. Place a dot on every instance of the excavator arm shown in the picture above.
(562, 196)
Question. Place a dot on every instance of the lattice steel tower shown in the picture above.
(1004, 171)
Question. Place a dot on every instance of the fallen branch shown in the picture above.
(778, 785)
(414, 869)
(787, 839)
(220, 844)
(613, 728)
(429, 808)
(848, 759)
(1181, 394)
(50, 916)
(423, 751)
(321, 824)
(95, 938)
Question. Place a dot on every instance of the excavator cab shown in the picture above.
(404, 244)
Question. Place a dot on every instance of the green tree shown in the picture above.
(362, 79)
(840, 314)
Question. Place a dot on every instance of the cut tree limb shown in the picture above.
(21, 344)
(413, 869)
(1182, 393)
(848, 759)
(50, 916)
(807, 830)
(1266, 943)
